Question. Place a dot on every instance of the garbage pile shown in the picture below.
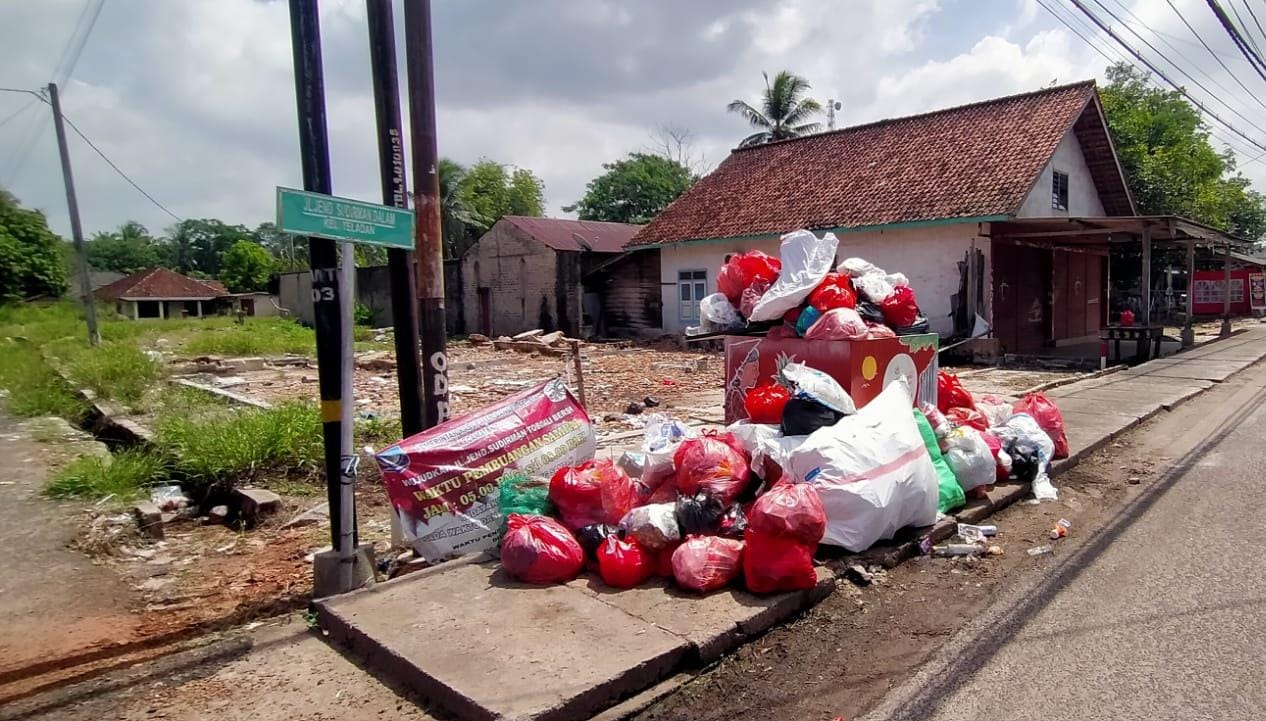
(799, 295)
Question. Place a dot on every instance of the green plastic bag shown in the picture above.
(951, 494)
(520, 493)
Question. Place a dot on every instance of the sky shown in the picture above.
(194, 100)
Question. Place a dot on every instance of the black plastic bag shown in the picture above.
(1025, 461)
(919, 326)
(802, 416)
(592, 536)
(699, 514)
(870, 312)
(733, 523)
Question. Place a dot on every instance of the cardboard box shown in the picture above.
(863, 368)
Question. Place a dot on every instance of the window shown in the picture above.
(692, 286)
(1059, 190)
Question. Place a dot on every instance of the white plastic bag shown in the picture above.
(969, 458)
(857, 267)
(750, 436)
(874, 286)
(806, 259)
(995, 410)
(717, 310)
(1023, 428)
(777, 449)
(811, 383)
(663, 435)
(654, 526)
(899, 280)
(872, 471)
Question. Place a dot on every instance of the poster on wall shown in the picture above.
(1257, 291)
(1209, 292)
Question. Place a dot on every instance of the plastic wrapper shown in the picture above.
(811, 383)
(706, 563)
(699, 514)
(772, 564)
(734, 522)
(874, 287)
(654, 526)
(838, 324)
(857, 267)
(806, 259)
(714, 463)
(623, 563)
(802, 416)
(592, 492)
(918, 327)
(935, 418)
(870, 312)
(1047, 415)
(835, 291)
(949, 494)
(900, 308)
(875, 331)
(806, 319)
(764, 403)
(743, 270)
(524, 495)
(663, 436)
(793, 510)
(751, 296)
(996, 410)
(718, 311)
(968, 417)
(591, 536)
(537, 549)
(950, 393)
(1031, 450)
(632, 463)
(969, 458)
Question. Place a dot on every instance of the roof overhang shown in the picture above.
(1109, 231)
(904, 225)
(173, 298)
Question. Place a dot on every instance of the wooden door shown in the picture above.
(1096, 293)
(1002, 260)
(1059, 294)
(1033, 279)
(1076, 306)
(485, 311)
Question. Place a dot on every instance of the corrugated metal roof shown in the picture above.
(577, 235)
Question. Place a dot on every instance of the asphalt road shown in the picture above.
(1160, 615)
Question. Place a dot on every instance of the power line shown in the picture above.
(1212, 54)
(116, 168)
(1251, 40)
(77, 41)
(1253, 58)
(1249, 6)
(27, 106)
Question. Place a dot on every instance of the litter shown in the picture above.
(1041, 550)
(806, 259)
(1060, 529)
(791, 510)
(699, 514)
(654, 526)
(1048, 418)
(714, 463)
(706, 563)
(773, 563)
(592, 492)
(624, 563)
(537, 549)
(957, 549)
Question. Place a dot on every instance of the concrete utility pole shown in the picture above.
(76, 229)
(429, 242)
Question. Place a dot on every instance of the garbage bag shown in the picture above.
(811, 383)
(997, 410)
(633, 463)
(807, 318)
(666, 493)
(835, 291)
(706, 563)
(949, 494)
(743, 270)
(898, 280)
(950, 393)
(918, 327)
(857, 267)
(874, 287)
(751, 296)
(1001, 459)
(969, 458)
(663, 436)
(871, 471)
(870, 312)
(734, 522)
(592, 492)
(802, 416)
(714, 463)
(654, 526)
(537, 549)
(699, 514)
(1047, 415)
(900, 308)
(968, 417)
(935, 418)
(517, 492)
(806, 259)
(1025, 461)
(788, 509)
(838, 324)
(592, 536)
(719, 311)
(764, 403)
(749, 436)
(875, 330)
(776, 563)
(623, 563)
(1024, 432)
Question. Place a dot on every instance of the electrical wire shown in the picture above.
(1244, 28)
(77, 41)
(27, 106)
(118, 170)
(1253, 58)
(1249, 6)
(1213, 55)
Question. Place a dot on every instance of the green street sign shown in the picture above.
(325, 216)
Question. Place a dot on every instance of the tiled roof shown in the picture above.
(970, 161)
(160, 283)
(565, 234)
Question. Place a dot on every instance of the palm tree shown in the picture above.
(783, 113)
(460, 223)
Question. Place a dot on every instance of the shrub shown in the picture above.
(125, 475)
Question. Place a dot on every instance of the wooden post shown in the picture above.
(580, 376)
(1226, 298)
(1147, 276)
(1188, 330)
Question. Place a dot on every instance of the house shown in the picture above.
(162, 293)
(931, 196)
(556, 274)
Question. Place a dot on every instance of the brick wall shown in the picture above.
(518, 278)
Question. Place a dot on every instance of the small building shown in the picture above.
(553, 274)
(930, 196)
(162, 293)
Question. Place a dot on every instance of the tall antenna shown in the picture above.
(831, 107)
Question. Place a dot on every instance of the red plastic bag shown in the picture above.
(776, 563)
(874, 331)
(623, 563)
(995, 447)
(537, 549)
(901, 308)
(764, 403)
(950, 393)
(838, 324)
(743, 270)
(750, 296)
(1048, 417)
(706, 563)
(968, 417)
(793, 510)
(714, 463)
(835, 291)
(592, 492)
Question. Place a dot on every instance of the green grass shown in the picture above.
(115, 371)
(125, 475)
(34, 388)
(261, 336)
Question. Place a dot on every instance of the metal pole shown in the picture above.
(305, 38)
(426, 204)
(1147, 276)
(382, 60)
(76, 229)
(1226, 298)
(1188, 330)
(347, 473)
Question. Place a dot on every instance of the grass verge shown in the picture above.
(125, 475)
(261, 336)
(34, 388)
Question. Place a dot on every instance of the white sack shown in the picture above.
(872, 471)
(874, 286)
(806, 259)
(817, 386)
(717, 310)
(663, 435)
(750, 436)
(969, 458)
(857, 267)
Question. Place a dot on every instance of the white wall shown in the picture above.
(1083, 196)
(928, 256)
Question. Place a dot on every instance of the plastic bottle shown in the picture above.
(1060, 529)
(956, 549)
(1041, 550)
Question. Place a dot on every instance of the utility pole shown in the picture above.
(76, 229)
(382, 59)
(428, 241)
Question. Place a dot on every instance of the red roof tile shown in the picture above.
(583, 235)
(159, 283)
(971, 161)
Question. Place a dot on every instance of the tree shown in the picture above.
(246, 266)
(634, 190)
(783, 113)
(197, 245)
(472, 199)
(31, 255)
(1170, 164)
(126, 250)
(290, 252)
(677, 143)
(459, 223)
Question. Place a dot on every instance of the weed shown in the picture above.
(260, 336)
(377, 432)
(124, 475)
(34, 388)
(114, 371)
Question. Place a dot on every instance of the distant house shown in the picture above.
(940, 196)
(555, 274)
(162, 293)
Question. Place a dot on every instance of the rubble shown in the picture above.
(149, 519)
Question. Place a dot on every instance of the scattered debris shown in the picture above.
(149, 519)
(217, 514)
(1060, 529)
(859, 575)
(1041, 550)
(255, 503)
(168, 498)
(1135, 480)
(633, 408)
(650, 401)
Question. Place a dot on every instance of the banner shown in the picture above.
(443, 481)
(1257, 291)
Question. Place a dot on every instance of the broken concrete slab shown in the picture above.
(149, 519)
(255, 503)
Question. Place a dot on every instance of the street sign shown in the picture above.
(352, 221)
